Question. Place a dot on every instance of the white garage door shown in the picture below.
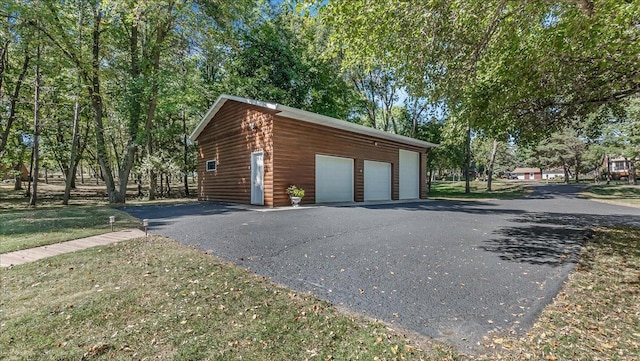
(409, 174)
(334, 179)
(377, 181)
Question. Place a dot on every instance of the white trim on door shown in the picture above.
(257, 178)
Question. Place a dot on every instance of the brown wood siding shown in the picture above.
(230, 139)
(423, 175)
(296, 144)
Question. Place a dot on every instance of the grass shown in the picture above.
(156, 299)
(597, 314)
(501, 190)
(50, 222)
(626, 195)
(51, 194)
(26, 228)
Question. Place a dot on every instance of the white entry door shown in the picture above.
(377, 181)
(409, 174)
(257, 178)
(334, 179)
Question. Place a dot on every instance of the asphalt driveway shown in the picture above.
(448, 270)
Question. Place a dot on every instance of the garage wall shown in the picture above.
(296, 144)
(230, 138)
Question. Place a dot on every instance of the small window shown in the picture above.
(212, 165)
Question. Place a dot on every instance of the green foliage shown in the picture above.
(295, 191)
(481, 148)
(281, 58)
(561, 150)
(522, 68)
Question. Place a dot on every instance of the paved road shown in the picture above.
(448, 270)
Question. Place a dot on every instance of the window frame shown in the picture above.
(215, 165)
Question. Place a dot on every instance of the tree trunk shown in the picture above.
(566, 174)
(12, 104)
(36, 131)
(72, 157)
(28, 193)
(3, 60)
(467, 161)
(135, 105)
(153, 103)
(633, 177)
(71, 176)
(492, 160)
(17, 184)
(578, 164)
(185, 154)
(98, 112)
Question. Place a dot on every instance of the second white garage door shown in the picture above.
(409, 174)
(334, 179)
(377, 181)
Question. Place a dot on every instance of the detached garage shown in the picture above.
(251, 151)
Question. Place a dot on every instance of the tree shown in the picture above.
(123, 53)
(280, 58)
(521, 68)
(561, 150)
(491, 156)
(622, 135)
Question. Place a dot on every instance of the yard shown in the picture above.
(156, 298)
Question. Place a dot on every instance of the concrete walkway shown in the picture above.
(34, 254)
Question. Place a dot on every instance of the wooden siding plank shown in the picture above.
(236, 131)
(297, 143)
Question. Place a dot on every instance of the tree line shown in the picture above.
(117, 85)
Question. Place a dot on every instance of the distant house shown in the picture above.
(527, 173)
(618, 167)
(7, 174)
(553, 173)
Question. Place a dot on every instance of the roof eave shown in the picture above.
(306, 116)
(309, 117)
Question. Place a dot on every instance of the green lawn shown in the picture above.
(596, 316)
(26, 228)
(500, 190)
(627, 195)
(156, 299)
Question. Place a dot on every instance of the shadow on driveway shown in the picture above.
(550, 238)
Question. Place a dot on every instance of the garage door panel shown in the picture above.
(334, 179)
(377, 181)
(409, 174)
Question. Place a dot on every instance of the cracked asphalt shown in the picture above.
(452, 271)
